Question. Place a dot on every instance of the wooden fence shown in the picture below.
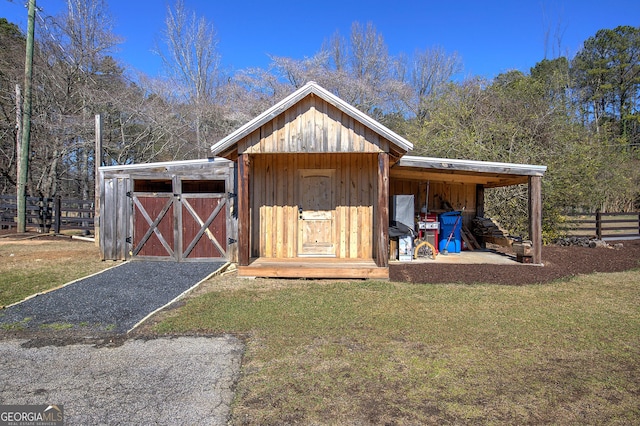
(603, 225)
(47, 214)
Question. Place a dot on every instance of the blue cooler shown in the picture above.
(450, 221)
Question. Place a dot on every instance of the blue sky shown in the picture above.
(490, 36)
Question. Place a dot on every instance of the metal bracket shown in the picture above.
(129, 194)
(231, 194)
(128, 240)
(232, 241)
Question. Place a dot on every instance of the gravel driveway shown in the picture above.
(177, 381)
(73, 350)
(112, 301)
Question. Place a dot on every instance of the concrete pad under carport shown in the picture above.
(469, 257)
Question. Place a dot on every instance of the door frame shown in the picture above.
(331, 173)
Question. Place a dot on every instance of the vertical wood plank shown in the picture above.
(368, 202)
(480, 200)
(257, 212)
(279, 129)
(244, 201)
(279, 182)
(382, 216)
(535, 217)
(354, 201)
(96, 181)
(232, 220)
(292, 203)
(343, 205)
(107, 218)
(126, 212)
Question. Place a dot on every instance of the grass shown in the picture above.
(382, 352)
(32, 266)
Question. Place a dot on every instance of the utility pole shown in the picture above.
(26, 122)
(98, 162)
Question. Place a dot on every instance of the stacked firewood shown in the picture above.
(491, 231)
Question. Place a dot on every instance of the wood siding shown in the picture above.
(115, 218)
(275, 203)
(312, 126)
(200, 223)
(459, 195)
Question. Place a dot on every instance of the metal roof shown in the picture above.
(471, 166)
(486, 173)
(173, 164)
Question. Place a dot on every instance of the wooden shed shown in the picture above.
(313, 187)
(302, 190)
(314, 179)
(178, 211)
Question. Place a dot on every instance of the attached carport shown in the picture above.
(460, 184)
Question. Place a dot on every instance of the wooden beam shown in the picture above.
(244, 203)
(535, 217)
(479, 200)
(97, 163)
(448, 176)
(445, 164)
(382, 218)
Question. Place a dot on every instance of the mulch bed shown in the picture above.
(559, 262)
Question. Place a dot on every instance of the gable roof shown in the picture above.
(228, 144)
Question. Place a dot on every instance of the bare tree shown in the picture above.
(69, 77)
(192, 62)
(427, 73)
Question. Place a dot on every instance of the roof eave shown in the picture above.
(472, 166)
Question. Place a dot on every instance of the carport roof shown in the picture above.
(486, 173)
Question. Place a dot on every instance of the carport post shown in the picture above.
(535, 217)
(382, 209)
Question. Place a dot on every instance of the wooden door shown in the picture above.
(204, 226)
(153, 222)
(115, 217)
(316, 213)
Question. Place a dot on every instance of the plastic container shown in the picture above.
(450, 222)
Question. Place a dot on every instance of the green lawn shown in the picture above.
(380, 352)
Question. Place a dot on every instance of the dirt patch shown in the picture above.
(559, 262)
(38, 247)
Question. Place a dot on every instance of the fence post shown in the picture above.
(42, 208)
(48, 211)
(57, 213)
(598, 224)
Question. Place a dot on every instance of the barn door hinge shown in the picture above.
(231, 194)
(129, 194)
(232, 241)
(128, 240)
